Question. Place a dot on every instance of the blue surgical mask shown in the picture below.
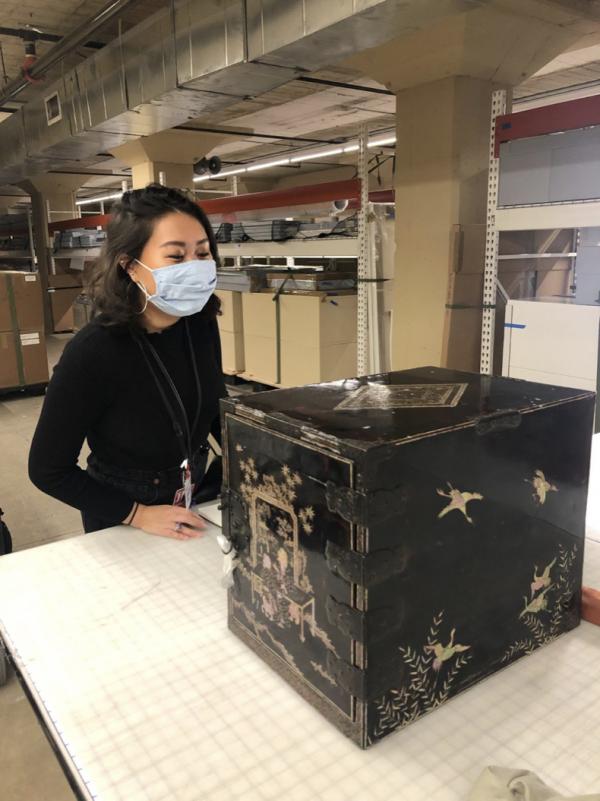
(181, 289)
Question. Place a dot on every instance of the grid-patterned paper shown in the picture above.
(122, 638)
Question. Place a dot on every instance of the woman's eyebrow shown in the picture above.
(183, 244)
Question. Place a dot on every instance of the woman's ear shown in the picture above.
(127, 264)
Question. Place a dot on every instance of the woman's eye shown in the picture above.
(175, 256)
(203, 255)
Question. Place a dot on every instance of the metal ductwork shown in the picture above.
(189, 59)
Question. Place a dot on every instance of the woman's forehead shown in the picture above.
(179, 228)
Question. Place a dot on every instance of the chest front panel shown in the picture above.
(278, 603)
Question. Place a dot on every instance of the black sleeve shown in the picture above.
(76, 397)
(215, 426)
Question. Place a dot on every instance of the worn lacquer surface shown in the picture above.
(479, 505)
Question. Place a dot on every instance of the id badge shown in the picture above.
(183, 496)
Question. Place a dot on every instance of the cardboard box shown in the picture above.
(232, 350)
(301, 365)
(259, 314)
(260, 358)
(24, 291)
(318, 320)
(260, 337)
(9, 373)
(62, 301)
(28, 348)
(66, 280)
(232, 317)
(35, 357)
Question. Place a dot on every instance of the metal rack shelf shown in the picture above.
(325, 247)
(15, 254)
(518, 256)
(77, 253)
(582, 214)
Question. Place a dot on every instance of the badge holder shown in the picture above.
(183, 496)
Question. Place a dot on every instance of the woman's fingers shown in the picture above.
(170, 521)
(187, 518)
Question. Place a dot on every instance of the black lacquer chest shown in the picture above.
(403, 536)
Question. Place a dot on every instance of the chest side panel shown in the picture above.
(493, 536)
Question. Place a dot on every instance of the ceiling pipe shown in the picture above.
(32, 34)
(66, 45)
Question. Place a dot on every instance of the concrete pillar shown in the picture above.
(148, 172)
(172, 152)
(52, 199)
(441, 183)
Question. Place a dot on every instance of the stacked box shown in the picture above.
(231, 331)
(261, 343)
(317, 338)
(23, 359)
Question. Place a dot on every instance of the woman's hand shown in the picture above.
(169, 521)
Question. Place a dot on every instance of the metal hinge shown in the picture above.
(367, 570)
(235, 519)
(364, 509)
(365, 627)
(367, 685)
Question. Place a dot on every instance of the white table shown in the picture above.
(121, 640)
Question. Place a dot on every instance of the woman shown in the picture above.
(143, 380)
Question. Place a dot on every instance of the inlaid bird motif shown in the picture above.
(537, 604)
(445, 652)
(543, 580)
(458, 500)
(541, 487)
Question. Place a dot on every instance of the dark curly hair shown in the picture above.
(115, 297)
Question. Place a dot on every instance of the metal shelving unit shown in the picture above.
(551, 215)
(18, 225)
(325, 247)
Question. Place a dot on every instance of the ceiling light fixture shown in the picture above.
(266, 164)
(86, 201)
(318, 155)
(222, 174)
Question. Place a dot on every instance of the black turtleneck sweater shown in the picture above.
(102, 389)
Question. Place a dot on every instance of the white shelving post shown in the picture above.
(364, 256)
(490, 276)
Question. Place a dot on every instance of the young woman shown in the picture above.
(142, 381)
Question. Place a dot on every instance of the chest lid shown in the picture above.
(371, 411)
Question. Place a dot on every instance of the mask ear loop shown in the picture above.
(140, 286)
(145, 293)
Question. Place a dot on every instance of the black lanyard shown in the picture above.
(184, 435)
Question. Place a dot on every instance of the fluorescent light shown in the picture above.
(86, 201)
(391, 140)
(306, 156)
(265, 165)
(223, 174)
(318, 155)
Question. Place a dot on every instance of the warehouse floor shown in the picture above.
(32, 517)
(28, 766)
(27, 763)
